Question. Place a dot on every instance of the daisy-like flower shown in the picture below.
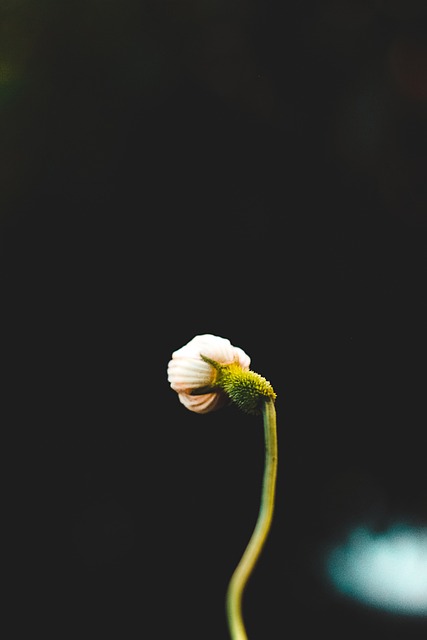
(194, 378)
(206, 373)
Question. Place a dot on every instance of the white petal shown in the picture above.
(186, 374)
(243, 358)
(219, 349)
(216, 348)
(204, 403)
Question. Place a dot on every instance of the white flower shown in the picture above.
(188, 373)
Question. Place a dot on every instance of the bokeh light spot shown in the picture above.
(386, 570)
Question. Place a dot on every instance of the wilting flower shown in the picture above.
(193, 378)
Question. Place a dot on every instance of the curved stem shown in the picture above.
(252, 552)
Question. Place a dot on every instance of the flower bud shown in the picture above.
(194, 378)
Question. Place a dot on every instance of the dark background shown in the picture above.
(255, 170)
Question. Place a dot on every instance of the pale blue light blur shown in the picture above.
(386, 570)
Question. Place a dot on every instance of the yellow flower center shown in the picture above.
(247, 389)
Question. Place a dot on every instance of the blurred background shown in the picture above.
(252, 169)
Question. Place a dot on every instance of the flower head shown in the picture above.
(194, 378)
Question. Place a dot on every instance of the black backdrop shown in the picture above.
(236, 168)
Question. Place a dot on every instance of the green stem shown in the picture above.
(252, 552)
